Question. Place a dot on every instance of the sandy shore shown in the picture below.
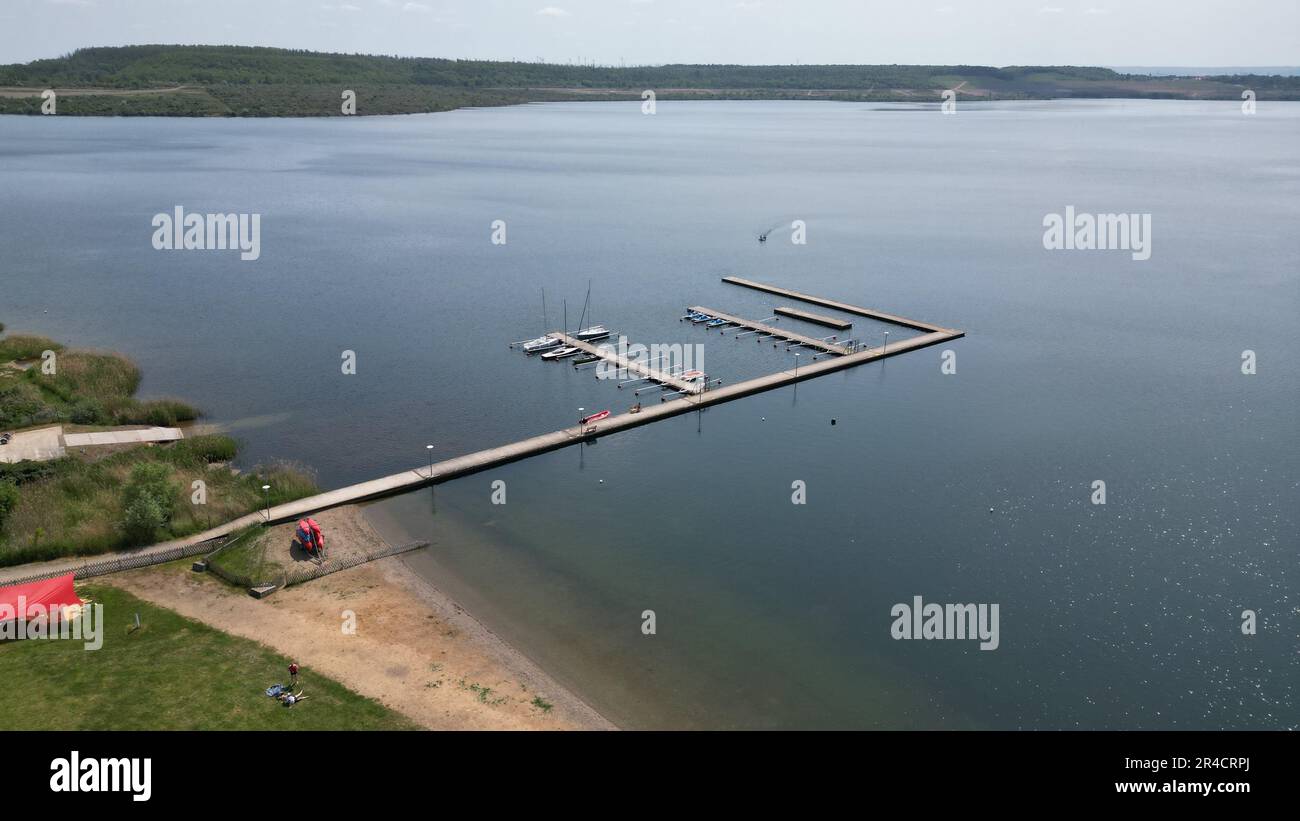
(414, 649)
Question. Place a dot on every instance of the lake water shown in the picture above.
(1077, 366)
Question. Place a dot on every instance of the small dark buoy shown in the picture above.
(832, 421)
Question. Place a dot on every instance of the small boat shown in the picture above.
(698, 318)
(591, 332)
(691, 376)
(595, 417)
(713, 323)
(541, 343)
(560, 353)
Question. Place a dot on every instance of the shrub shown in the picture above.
(148, 501)
(21, 404)
(144, 517)
(87, 412)
(8, 501)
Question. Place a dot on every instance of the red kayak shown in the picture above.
(595, 417)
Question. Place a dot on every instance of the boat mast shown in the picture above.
(584, 306)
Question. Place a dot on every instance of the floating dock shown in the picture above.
(772, 330)
(838, 306)
(820, 319)
(625, 364)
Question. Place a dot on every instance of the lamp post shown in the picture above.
(885, 347)
(796, 364)
(266, 492)
(580, 412)
(430, 449)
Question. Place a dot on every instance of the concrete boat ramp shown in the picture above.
(43, 444)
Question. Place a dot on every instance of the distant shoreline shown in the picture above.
(242, 81)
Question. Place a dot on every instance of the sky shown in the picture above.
(611, 32)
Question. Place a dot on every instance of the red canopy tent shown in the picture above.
(53, 596)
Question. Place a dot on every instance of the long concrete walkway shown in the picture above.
(839, 306)
(542, 443)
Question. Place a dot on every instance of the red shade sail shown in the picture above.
(51, 594)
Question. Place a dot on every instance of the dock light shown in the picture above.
(430, 449)
(885, 347)
(266, 491)
(796, 364)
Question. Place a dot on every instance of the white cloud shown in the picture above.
(552, 11)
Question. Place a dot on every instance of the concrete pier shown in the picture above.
(504, 454)
(819, 319)
(623, 363)
(780, 333)
(838, 306)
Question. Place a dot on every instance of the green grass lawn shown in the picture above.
(172, 674)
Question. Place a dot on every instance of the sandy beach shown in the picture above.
(413, 649)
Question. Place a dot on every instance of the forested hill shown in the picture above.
(145, 66)
(241, 80)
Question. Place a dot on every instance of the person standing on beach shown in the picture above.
(293, 675)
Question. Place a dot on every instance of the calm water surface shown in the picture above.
(1077, 367)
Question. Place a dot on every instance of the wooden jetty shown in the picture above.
(820, 319)
(780, 333)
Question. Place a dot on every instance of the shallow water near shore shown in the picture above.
(1078, 366)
